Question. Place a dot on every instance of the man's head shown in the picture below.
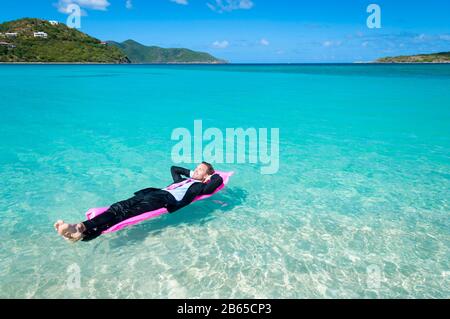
(203, 171)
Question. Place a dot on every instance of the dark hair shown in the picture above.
(210, 169)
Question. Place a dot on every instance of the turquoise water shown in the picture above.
(359, 207)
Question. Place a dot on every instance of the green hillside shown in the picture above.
(138, 53)
(62, 44)
(442, 57)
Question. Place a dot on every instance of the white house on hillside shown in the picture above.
(11, 34)
(40, 35)
(8, 45)
(53, 22)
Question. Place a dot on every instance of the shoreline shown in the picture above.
(107, 63)
(440, 62)
(221, 64)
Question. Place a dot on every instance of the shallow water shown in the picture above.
(359, 206)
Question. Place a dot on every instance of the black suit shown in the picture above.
(194, 190)
(149, 199)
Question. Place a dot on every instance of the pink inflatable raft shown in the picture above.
(93, 212)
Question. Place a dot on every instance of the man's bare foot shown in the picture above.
(71, 232)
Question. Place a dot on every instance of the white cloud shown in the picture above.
(365, 44)
(420, 37)
(445, 37)
(129, 4)
(331, 43)
(221, 6)
(101, 5)
(221, 44)
(183, 2)
(264, 42)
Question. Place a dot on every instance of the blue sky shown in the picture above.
(259, 30)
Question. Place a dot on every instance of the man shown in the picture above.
(201, 181)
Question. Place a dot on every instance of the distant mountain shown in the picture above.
(442, 57)
(36, 40)
(139, 53)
